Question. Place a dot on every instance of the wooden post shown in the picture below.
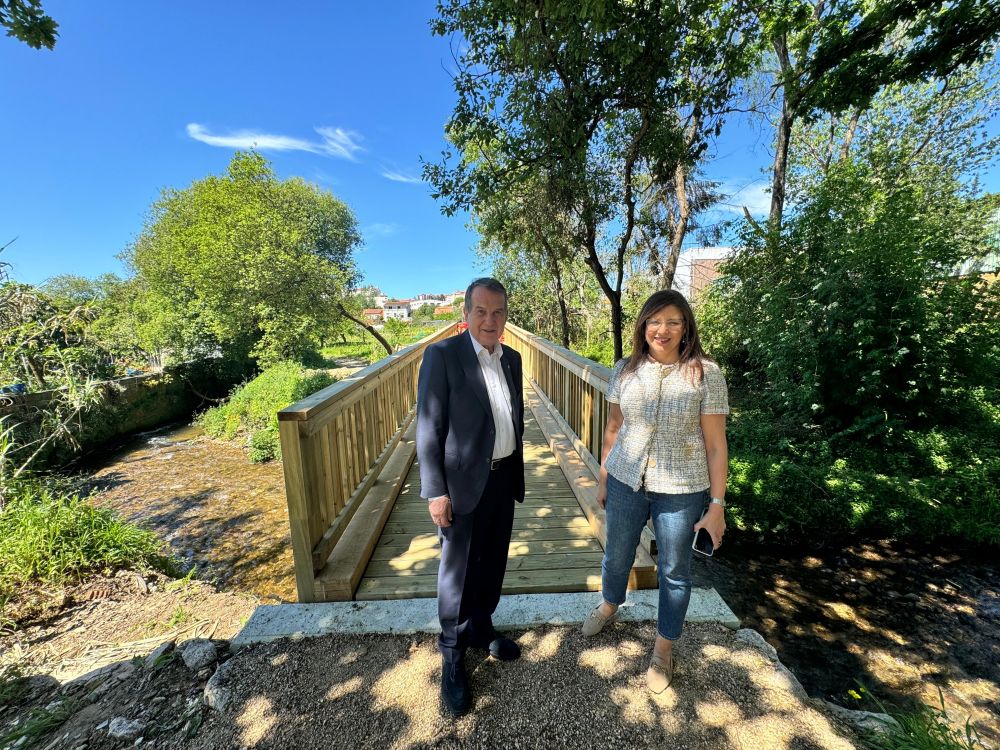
(298, 510)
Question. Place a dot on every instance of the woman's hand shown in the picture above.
(714, 522)
(602, 491)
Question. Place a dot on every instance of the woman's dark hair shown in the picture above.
(691, 353)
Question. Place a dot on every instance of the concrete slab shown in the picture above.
(272, 621)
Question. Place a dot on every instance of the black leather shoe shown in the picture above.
(504, 649)
(455, 693)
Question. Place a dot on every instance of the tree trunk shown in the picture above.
(367, 327)
(563, 313)
(680, 227)
(783, 136)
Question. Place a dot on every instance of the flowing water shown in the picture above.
(215, 509)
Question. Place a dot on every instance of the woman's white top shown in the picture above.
(660, 443)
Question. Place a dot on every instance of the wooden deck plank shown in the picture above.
(407, 566)
(545, 547)
(515, 582)
(553, 548)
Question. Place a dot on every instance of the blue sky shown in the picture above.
(139, 96)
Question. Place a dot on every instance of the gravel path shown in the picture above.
(565, 692)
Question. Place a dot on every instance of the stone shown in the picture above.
(92, 676)
(124, 729)
(125, 670)
(752, 638)
(217, 693)
(157, 653)
(788, 681)
(198, 653)
(869, 721)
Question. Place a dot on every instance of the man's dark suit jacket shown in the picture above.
(455, 432)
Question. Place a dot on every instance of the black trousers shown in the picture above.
(473, 562)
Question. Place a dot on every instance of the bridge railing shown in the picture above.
(574, 385)
(572, 389)
(335, 443)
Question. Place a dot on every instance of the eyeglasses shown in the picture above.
(673, 325)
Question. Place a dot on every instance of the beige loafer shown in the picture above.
(596, 621)
(660, 674)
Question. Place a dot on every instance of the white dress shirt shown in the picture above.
(504, 442)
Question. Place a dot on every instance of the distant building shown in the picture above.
(697, 268)
(373, 314)
(381, 299)
(397, 308)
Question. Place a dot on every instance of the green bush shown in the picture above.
(264, 446)
(251, 413)
(48, 533)
(925, 485)
(600, 351)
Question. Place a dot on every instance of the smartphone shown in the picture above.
(703, 543)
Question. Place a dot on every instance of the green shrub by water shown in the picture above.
(50, 534)
(921, 484)
(251, 413)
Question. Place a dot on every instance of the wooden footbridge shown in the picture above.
(358, 525)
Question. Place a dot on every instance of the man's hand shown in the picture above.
(440, 508)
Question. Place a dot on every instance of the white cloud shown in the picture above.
(380, 230)
(340, 142)
(395, 176)
(336, 141)
(754, 195)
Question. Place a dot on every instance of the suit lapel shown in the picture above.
(474, 374)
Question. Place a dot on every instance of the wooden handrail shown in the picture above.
(575, 386)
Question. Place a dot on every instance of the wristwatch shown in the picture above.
(718, 501)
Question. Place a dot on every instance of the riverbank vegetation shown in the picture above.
(250, 414)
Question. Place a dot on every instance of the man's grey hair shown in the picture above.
(488, 282)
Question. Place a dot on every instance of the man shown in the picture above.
(470, 424)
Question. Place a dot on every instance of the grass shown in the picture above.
(346, 350)
(40, 722)
(927, 728)
(183, 583)
(178, 617)
(12, 684)
(49, 534)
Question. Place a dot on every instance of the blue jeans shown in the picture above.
(673, 518)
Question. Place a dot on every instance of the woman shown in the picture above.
(664, 457)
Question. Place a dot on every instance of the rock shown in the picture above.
(198, 653)
(785, 679)
(157, 653)
(752, 638)
(93, 675)
(217, 693)
(125, 670)
(989, 608)
(864, 720)
(124, 729)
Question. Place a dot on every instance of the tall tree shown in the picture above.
(246, 262)
(836, 55)
(590, 95)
